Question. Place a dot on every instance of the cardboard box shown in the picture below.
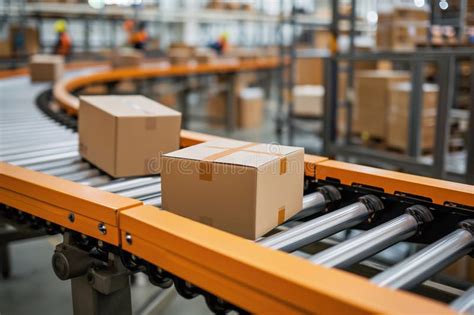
(5, 48)
(180, 56)
(251, 106)
(205, 56)
(46, 68)
(126, 58)
(239, 187)
(369, 115)
(309, 70)
(24, 40)
(399, 114)
(308, 100)
(402, 28)
(126, 135)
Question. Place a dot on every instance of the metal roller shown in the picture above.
(465, 303)
(375, 240)
(122, 185)
(37, 153)
(324, 226)
(39, 147)
(42, 167)
(430, 260)
(81, 174)
(95, 181)
(50, 158)
(317, 201)
(142, 191)
(63, 170)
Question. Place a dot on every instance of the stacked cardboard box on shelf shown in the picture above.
(309, 70)
(248, 107)
(24, 39)
(402, 28)
(372, 92)
(251, 107)
(308, 100)
(126, 135)
(399, 112)
(46, 68)
(126, 58)
(259, 185)
(181, 53)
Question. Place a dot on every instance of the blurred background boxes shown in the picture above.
(46, 68)
(126, 58)
(372, 92)
(308, 100)
(399, 109)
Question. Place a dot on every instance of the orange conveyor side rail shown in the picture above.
(62, 89)
(237, 270)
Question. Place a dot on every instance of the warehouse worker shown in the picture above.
(63, 44)
(221, 45)
(139, 37)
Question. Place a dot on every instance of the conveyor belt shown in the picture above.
(41, 144)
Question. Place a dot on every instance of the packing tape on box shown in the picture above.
(281, 215)
(205, 166)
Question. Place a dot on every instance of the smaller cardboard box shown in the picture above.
(46, 68)
(126, 58)
(399, 112)
(251, 108)
(309, 71)
(308, 100)
(243, 188)
(126, 135)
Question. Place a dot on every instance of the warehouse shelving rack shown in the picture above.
(446, 61)
(286, 117)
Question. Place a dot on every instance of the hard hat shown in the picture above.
(60, 26)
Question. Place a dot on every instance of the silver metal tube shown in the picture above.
(95, 181)
(37, 153)
(39, 147)
(428, 261)
(465, 303)
(81, 175)
(34, 133)
(41, 167)
(130, 184)
(155, 201)
(315, 199)
(16, 143)
(142, 191)
(63, 170)
(368, 243)
(324, 226)
(50, 158)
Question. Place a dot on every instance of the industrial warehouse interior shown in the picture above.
(236, 156)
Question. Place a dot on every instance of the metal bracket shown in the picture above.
(98, 287)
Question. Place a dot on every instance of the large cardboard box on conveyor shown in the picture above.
(243, 188)
(399, 114)
(46, 68)
(372, 101)
(126, 135)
